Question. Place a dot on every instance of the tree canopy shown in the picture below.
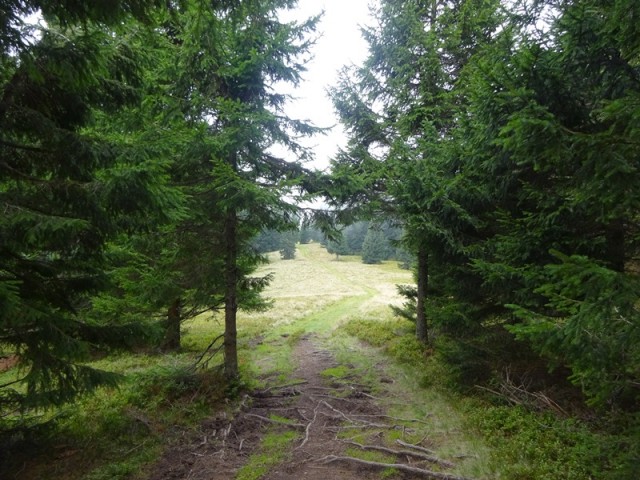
(135, 170)
(503, 139)
(137, 173)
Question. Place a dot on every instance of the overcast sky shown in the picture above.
(340, 44)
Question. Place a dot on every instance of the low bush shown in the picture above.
(394, 336)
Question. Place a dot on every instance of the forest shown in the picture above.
(493, 148)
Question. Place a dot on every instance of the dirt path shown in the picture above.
(335, 421)
(315, 406)
(327, 413)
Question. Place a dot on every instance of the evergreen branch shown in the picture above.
(194, 312)
(20, 174)
(28, 148)
(12, 383)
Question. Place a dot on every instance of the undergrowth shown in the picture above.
(113, 433)
(524, 444)
(393, 336)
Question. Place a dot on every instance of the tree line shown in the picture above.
(136, 174)
(504, 137)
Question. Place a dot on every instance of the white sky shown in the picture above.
(339, 44)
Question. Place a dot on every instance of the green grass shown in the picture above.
(272, 451)
(114, 434)
(341, 371)
(373, 456)
(509, 442)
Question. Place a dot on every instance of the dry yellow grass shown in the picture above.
(314, 292)
(316, 279)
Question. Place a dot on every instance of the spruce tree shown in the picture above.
(231, 57)
(374, 247)
(62, 189)
(288, 241)
(553, 137)
(402, 110)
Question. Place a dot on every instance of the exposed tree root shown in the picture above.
(415, 447)
(363, 423)
(398, 466)
(286, 385)
(333, 397)
(277, 422)
(308, 427)
(397, 419)
(411, 453)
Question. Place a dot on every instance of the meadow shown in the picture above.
(344, 304)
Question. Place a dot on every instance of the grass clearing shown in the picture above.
(344, 303)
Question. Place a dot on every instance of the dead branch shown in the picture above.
(398, 466)
(277, 422)
(415, 454)
(207, 350)
(521, 395)
(415, 447)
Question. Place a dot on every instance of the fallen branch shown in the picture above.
(520, 395)
(398, 466)
(415, 454)
(278, 422)
(219, 337)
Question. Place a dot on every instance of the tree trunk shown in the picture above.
(421, 314)
(616, 251)
(231, 296)
(172, 333)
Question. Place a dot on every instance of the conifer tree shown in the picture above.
(65, 188)
(374, 247)
(288, 242)
(402, 109)
(231, 57)
(553, 140)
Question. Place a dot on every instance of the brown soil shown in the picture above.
(7, 363)
(322, 407)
